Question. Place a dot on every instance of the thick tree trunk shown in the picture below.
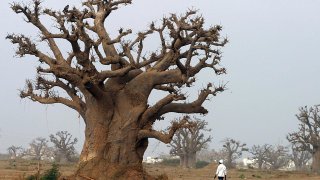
(315, 166)
(298, 165)
(188, 160)
(192, 160)
(260, 164)
(111, 149)
(181, 160)
(116, 157)
(229, 162)
(184, 161)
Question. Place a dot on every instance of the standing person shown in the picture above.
(221, 171)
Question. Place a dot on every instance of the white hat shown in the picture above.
(221, 161)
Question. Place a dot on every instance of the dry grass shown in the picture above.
(207, 173)
(21, 169)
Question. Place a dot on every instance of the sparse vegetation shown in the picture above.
(242, 176)
(32, 177)
(201, 164)
(161, 172)
(171, 162)
(50, 174)
(258, 176)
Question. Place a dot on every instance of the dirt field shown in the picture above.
(207, 173)
(21, 169)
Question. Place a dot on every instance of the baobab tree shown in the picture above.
(205, 155)
(188, 141)
(38, 149)
(260, 153)
(277, 157)
(108, 80)
(64, 146)
(300, 158)
(234, 150)
(211, 155)
(307, 138)
(15, 151)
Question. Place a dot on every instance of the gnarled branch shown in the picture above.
(162, 136)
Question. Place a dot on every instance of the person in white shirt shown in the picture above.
(221, 171)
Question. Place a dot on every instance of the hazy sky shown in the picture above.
(272, 61)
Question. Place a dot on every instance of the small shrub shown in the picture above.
(258, 176)
(51, 174)
(242, 176)
(171, 162)
(201, 164)
(31, 177)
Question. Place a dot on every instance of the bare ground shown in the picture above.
(21, 169)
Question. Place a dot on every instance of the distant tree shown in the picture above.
(205, 155)
(300, 158)
(15, 151)
(259, 153)
(211, 155)
(38, 149)
(64, 146)
(221, 154)
(307, 138)
(234, 150)
(188, 141)
(277, 157)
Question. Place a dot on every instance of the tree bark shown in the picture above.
(315, 166)
(111, 144)
(188, 160)
(260, 164)
(192, 160)
(229, 162)
(185, 161)
(181, 160)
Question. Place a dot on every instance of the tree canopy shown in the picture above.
(108, 79)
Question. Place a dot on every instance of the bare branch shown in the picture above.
(193, 107)
(307, 138)
(165, 137)
(47, 98)
(150, 112)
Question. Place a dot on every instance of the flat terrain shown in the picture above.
(207, 173)
(21, 169)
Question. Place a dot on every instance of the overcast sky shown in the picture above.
(272, 61)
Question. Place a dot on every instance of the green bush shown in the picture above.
(171, 162)
(242, 176)
(201, 164)
(51, 174)
(31, 177)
